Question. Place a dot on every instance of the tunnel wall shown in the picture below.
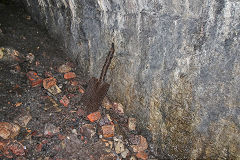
(176, 68)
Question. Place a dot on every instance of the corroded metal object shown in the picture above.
(97, 88)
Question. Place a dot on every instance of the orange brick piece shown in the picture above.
(49, 82)
(69, 75)
(108, 131)
(65, 101)
(94, 116)
(142, 155)
(34, 79)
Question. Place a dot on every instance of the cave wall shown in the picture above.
(176, 68)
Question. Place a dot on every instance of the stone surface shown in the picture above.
(118, 145)
(23, 120)
(108, 131)
(88, 130)
(141, 145)
(64, 68)
(132, 124)
(176, 65)
(8, 130)
(50, 129)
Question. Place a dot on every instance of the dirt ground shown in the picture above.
(51, 126)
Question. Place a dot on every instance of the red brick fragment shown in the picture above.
(69, 75)
(108, 131)
(142, 155)
(94, 116)
(39, 147)
(17, 148)
(49, 82)
(34, 79)
(65, 101)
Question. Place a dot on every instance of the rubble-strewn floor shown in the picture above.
(37, 121)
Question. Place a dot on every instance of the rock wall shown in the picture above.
(176, 68)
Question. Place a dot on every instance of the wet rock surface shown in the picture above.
(41, 114)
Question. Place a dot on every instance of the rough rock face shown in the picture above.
(176, 68)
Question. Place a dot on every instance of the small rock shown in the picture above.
(88, 130)
(141, 146)
(65, 101)
(64, 68)
(119, 146)
(28, 18)
(107, 104)
(94, 116)
(124, 154)
(54, 90)
(74, 131)
(30, 57)
(39, 147)
(69, 75)
(50, 129)
(80, 112)
(132, 124)
(34, 79)
(133, 158)
(10, 55)
(49, 82)
(8, 130)
(1, 53)
(142, 155)
(105, 121)
(108, 131)
(23, 120)
(118, 108)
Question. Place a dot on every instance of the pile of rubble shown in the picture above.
(108, 130)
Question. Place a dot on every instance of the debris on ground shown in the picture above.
(41, 103)
(8, 130)
(132, 124)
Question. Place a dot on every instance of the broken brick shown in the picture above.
(49, 82)
(34, 79)
(17, 148)
(108, 131)
(65, 101)
(69, 75)
(80, 89)
(142, 155)
(94, 116)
